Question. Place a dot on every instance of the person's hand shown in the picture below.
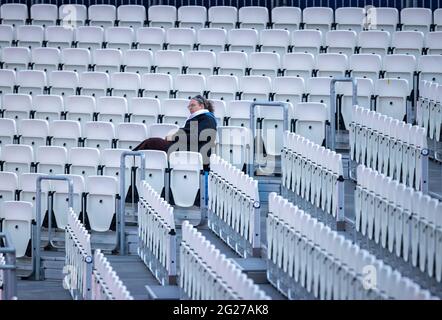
(169, 137)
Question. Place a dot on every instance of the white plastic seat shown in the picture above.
(99, 134)
(89, 37)
(163, 16)
(45, 59)
(6, 36)
(8, 130)
(65, 133)
(129, 135)
(211, 39)
(16, 58)
(318, 90)
(350, 18)
(400, 66)
(233, 144)
(155, 167)
(416, 19)
(437, 19)
(17, 221)
(200, 62)
(232, 63)
(276, 41)
(175, 111)
(288, 18)
(161, 130)
(433, 43)
(253, 17)
(84, 161)
(31, 81)
(374, 41)
(14, 14)
(189, 85)
(255, 87)
(298, 64)
(341, 41)
(185, 176)
(102, 15)
(59, 37)
(30, 36)
(47, 107)
(138, 61)
(331, 65)
(220, 110)
(264, 63)
(288, 89)
(125, 84)
(8, 187)
(224, 17)
(33, 132)
(101, 201)
(238, 113)
(112, 109)
(107, 60)
(132, 16)
(392, 97)
(72, 15)
(80, 108)
(151, 38)
(111, 160)
(63, 83)
(120, 38)
(222, 87)
(408, 42)
(307, 41)
(16, 106)
(51, 159)
(384, 19)
(44, 14)
(365, 87)
(156, 85)
(319, 18)
(17, 158)
(365, 65)
(94, 83)
(169, 61)
(60, 198)
(430, 68)
(194, 17)
(182, 39)
(310, 118)
(7, 81)
(244, 40)
(76, 59)
(144, 110)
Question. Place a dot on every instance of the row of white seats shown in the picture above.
(390, 146)
(78, 253)
(101, 197)
(156, 232)
(220, 16)
(312, 172)
(106, 285)
(401, 219)
(304, 250)
(233, 198)
(429, 109)
(215, 39)
(206, 274)
(141, 62)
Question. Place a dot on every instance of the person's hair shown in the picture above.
(208, 104)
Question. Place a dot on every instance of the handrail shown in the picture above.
(284, 106)
(331, 143)
(10, 279)
(120, 209)
(36, 256)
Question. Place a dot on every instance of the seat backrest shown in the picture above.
(161, 130)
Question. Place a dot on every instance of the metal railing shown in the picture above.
(8, 268)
